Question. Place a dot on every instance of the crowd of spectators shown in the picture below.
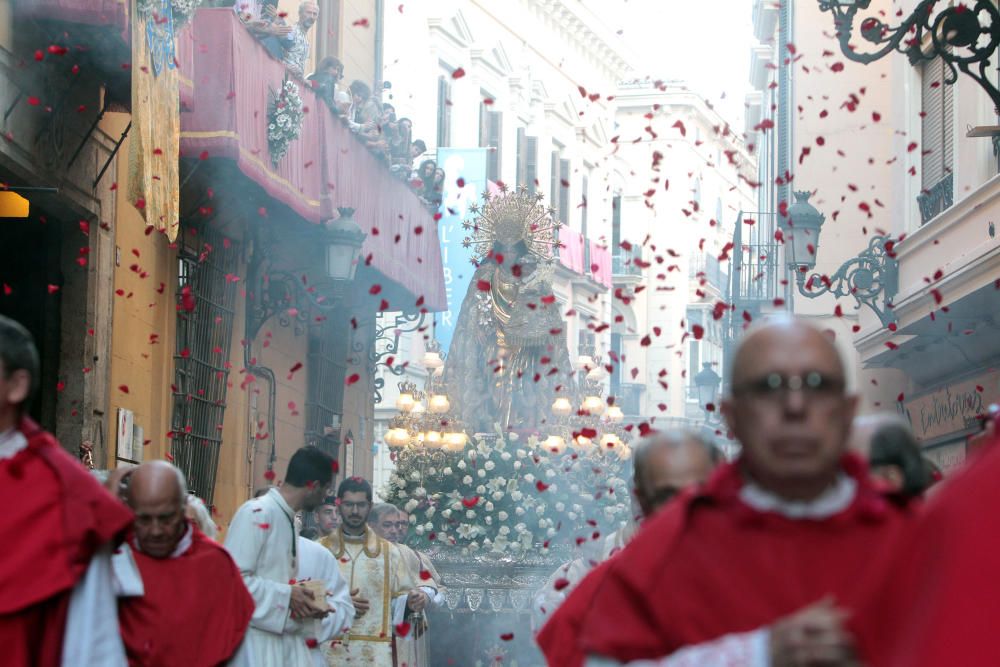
(372, 120)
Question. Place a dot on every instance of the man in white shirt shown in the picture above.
(263, 541)
(317, 563)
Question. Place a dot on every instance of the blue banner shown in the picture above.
(464, 183)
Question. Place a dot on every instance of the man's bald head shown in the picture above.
(789, 408)
(782, 331)
(157, 494)
(666, 462)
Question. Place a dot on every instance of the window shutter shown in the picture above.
(444, 112)
(563, 191)
(531, 165)
(522, 158)
(932, 100)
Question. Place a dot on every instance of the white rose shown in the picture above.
(447, 472)
(560, 507)
(420, 530)
(517, 465)
(489, 465)
(489, 521)
(542, 523)
(419, 492)
(504, 530)
(519, 511)
(446, 513)
(513, 437)
(551, 532)
(505, 456)
(467, 480)
(529, 478)
(432, 471)
(410, 505)
(540, 508)
(503, 516)
(461, 465)
(550, 473)
(572, 516)
(497, 495)
(481, 473)
(516, 496)
(415, 476)
(489, 506)
(430, 512)
(521, 453)
(480, 489)
(470, 514)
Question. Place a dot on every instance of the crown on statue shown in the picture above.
(511, 217)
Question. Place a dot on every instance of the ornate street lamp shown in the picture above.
(707, 382)
(872, 274)
(344, 239)
(965, 36)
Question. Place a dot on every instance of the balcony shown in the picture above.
(326, 167)
(937, 199)
(584, 257)
(708, 268)
(624, 264)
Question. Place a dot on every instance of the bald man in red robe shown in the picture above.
(762, 564)
(941, 605)
(183, 598)
(57, 528)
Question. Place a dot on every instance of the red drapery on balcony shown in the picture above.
(571, 249)
(325, 168)
(402, 235)
(233, 80)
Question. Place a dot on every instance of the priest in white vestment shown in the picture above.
(263, 541)
(385, 593)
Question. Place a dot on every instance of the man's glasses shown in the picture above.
(775, 386)
(350, 507)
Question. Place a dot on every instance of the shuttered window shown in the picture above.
(444, 112)
(490, 129)
(527, 160)
(563, 186)
(937, 140)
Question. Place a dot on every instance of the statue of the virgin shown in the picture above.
(509, 357)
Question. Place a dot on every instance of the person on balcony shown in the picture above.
(262, 20)
(296, 44)
(326, 79)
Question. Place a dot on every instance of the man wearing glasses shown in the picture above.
(761, 565)
(384, 591)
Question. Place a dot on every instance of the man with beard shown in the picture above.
(263, 541)
(296, 44)
(383, 590)
(762, 564)
(165, 569)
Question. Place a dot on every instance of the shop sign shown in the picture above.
(953, 408)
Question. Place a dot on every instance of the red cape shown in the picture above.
(941, 605)
(57, 515)
(708, 565)
(194, 612)
(558, 637)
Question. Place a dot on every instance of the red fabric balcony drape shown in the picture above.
(327, 167)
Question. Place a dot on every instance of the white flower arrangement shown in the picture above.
(284, 116)
(563, 497)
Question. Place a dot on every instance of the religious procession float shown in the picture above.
(509, 461)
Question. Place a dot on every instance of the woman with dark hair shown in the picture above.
(325, 80)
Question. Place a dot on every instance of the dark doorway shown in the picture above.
(30, 292)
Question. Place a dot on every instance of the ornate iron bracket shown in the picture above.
(872, 274)
(387, 338)
(955, 34)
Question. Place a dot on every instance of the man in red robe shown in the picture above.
(57, 529)
(183, 599)
(760, 564)
(664, 463)
(941, 604)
